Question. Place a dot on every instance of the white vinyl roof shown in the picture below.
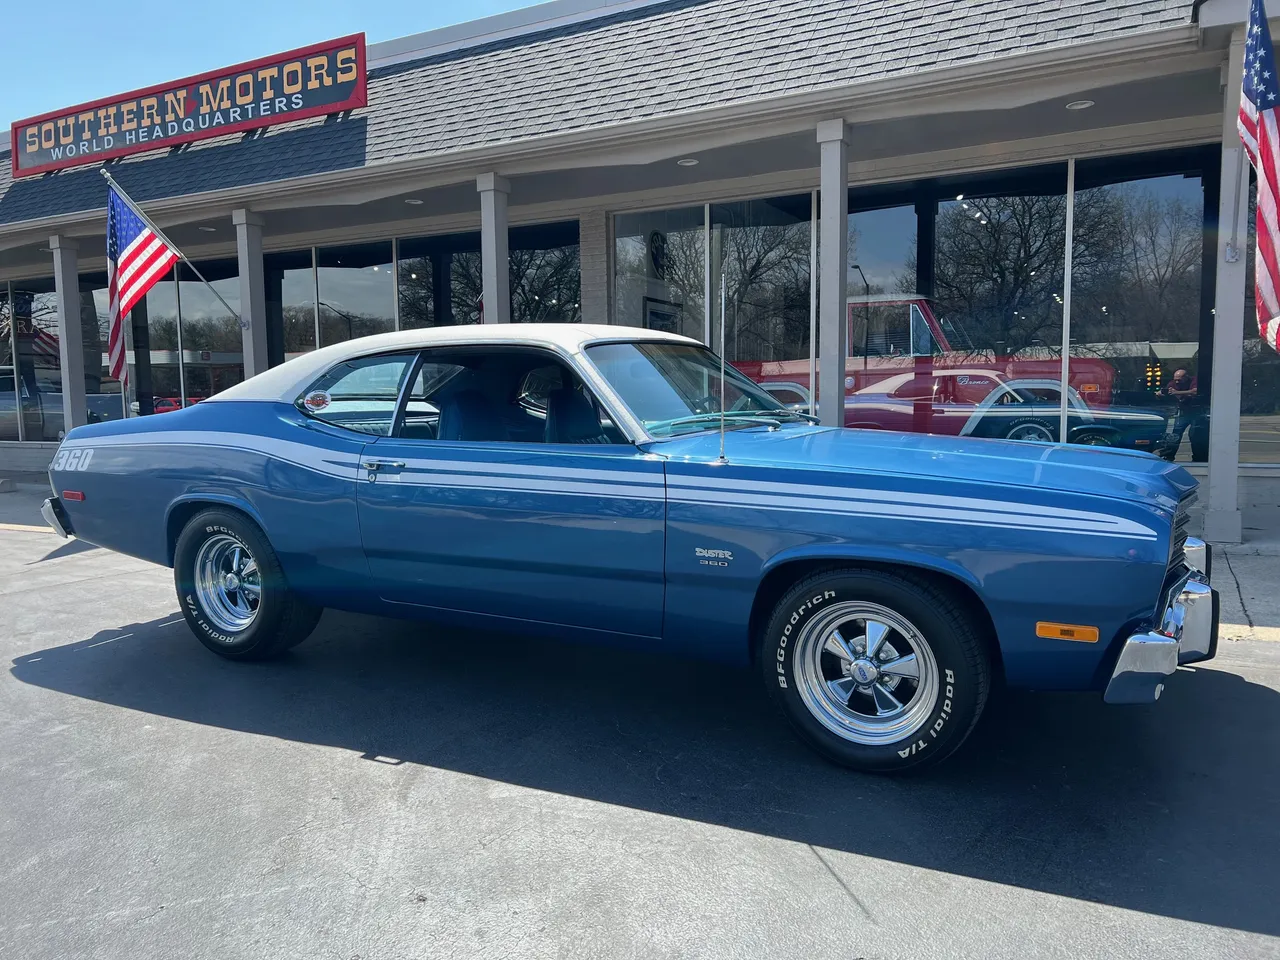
(285, 382)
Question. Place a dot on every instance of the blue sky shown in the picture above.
(62, 52)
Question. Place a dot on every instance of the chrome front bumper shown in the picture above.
(1188, 633)
(56, 517)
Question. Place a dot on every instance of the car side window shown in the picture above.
(359, 395)
(506, 394)
(917, 388)
(422, 409)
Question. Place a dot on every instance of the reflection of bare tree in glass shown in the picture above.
(299, 322)
(466, 283)
(546, 286)
(417, 300)
(1135, 266)
(999, 264)
(1145, 283)
(767, 291)
(684, 272)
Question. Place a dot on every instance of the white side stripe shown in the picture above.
(624, 484)
(784, 491)
(1114, 527)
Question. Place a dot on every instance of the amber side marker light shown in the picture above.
(1067, 631)
(75, 495)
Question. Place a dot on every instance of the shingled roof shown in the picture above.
(659, 60)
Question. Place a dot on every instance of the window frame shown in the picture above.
(410, 370)
(586, 377)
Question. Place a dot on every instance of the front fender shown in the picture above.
(870, 553)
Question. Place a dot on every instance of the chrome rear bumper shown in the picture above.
(56, 517)
(1188, 633)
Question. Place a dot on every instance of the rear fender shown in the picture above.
(188, 505)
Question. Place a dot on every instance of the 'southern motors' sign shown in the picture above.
(320, 79)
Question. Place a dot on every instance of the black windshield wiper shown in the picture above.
(802, 416)
(738, 419)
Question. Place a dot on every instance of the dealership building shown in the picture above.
(921, 202)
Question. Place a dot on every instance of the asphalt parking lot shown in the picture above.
(391, 790)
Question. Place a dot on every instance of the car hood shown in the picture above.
(1095, 471)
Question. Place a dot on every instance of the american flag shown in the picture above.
(137, 257)
(1259, 99)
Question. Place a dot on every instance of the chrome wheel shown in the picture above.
(1037, 432)
(866, 673)
(227, 583)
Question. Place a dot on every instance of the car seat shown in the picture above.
(572, 419)
(469, 415)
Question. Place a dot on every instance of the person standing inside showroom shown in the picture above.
(1185, 389)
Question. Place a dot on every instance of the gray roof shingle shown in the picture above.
(659, 60)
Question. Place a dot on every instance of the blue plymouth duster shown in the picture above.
(576, 480)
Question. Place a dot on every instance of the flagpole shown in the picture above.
(169, 243)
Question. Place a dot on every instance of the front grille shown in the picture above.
(1178, 542)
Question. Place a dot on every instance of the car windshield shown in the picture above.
(675, 388)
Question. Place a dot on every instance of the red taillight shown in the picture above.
(75, 495)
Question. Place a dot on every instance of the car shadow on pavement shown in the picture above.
(1171, 810)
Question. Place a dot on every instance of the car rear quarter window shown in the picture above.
(359, 395)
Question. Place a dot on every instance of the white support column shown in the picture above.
(1222, 519)
(833, 297)
(495, 260)
(66, 278)
(595, 256)
(253, 292)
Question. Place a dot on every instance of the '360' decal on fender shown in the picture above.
(75, 459)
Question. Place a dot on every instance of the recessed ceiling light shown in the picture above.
(414, 201)
(1079, 104)
(208, 229)
(688, 162)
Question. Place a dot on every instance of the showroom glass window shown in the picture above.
(1138, 318)
(962, 292)
(660, 271)
(290, 281)
(10, 422)
(1260, 373)
(102, 391)
(546, 273)
(760, 254)
(999, 254)
(35, 361)
(184, 345)
(886, 311)
(357, 291)
(440, 283)
(155, 378)
(212, 343)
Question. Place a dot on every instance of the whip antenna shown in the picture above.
(722, 291)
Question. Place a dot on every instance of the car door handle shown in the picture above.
(376, 465)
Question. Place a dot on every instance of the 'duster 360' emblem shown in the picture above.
(713, 558)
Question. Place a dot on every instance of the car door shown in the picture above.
(496, 520)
